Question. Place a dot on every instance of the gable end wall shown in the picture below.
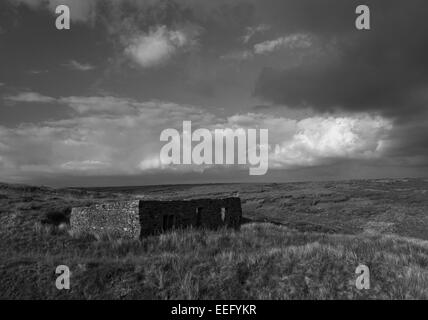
(117, 219)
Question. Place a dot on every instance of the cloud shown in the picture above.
(38, 71)
(294, 41)
(383, 70)
(158, 45)
(85, 165)
(103, 141)
(317, 140)
(2, 84)
(347, 72)
(238, 55)
(320, 139)
(29, 97)
(291, 42)
(75, 65)
(252, 31)
(106, 105)
(99, 144)
(150, 163)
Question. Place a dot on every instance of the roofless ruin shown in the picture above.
(138, 218)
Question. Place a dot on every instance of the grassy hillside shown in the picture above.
(326, 231)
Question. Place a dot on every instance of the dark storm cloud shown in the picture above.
(136, 67)
(383, 70)
(409, 144)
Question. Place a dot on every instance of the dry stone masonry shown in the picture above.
(117, 219)
(138, 218)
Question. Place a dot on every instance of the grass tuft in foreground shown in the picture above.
(262, 261)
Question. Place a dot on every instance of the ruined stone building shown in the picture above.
(139, 218)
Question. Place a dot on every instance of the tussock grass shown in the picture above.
(262, 261)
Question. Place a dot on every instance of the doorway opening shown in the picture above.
(168, 222)
(198, 217)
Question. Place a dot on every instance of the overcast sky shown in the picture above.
(86, 106)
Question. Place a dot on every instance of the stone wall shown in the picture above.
(117, 219)
(153, 214)
(134, 219)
